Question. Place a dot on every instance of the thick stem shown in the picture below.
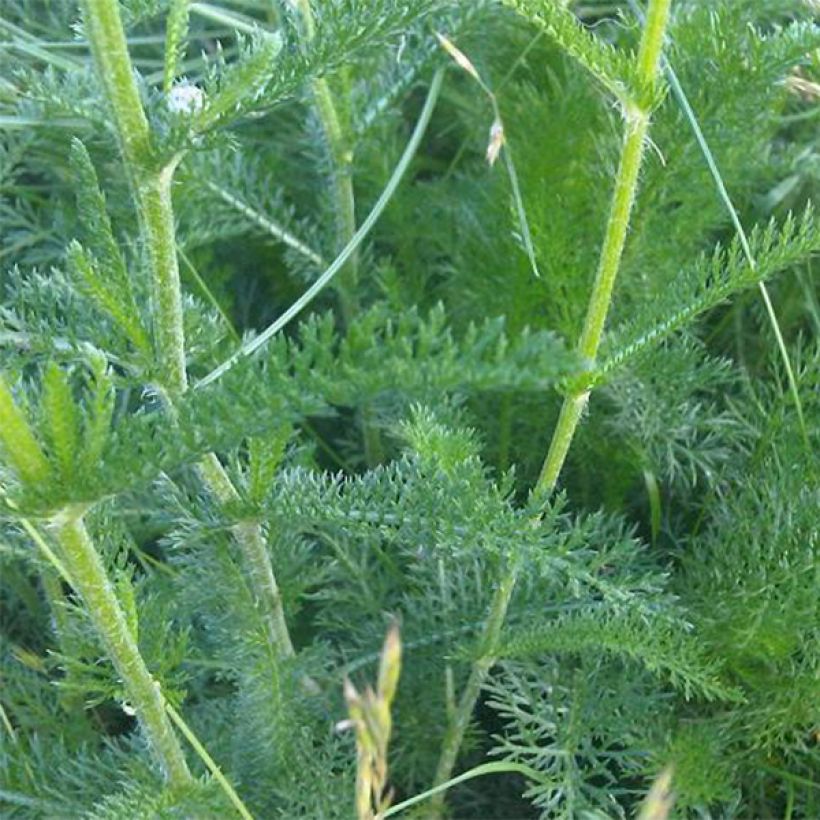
(151, 186)
(106, 37)
(153, 193)
(90, 579)
(626, 184)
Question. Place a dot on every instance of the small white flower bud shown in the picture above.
(186, 99)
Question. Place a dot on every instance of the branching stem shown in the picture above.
(151, 186)
(626, 184)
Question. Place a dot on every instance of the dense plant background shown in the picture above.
(383, 444)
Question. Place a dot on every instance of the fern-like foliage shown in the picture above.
(715, 279)
(612, 68)
(373, 461)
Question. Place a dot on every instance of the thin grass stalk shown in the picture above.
(151, 189)
(637, 119)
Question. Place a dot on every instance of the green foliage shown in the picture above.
(715, 279)
(231, 91)
(611, 67)
(664, 648)
(176, 33)
(102, 273)
(374, 460)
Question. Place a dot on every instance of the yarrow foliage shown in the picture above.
(353, 466)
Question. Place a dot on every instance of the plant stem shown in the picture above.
(478, 674)
(571, 411)
(626, 184)
(250, 539)
(157, 221)
(151, 187)
(90, 579)
(341, 157)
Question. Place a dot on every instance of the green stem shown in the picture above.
(89, 577)
(157, 221)
(250, 540)
(106, 37)
(623, 199)
(478, 674)
(626, 184)
(637, 124)
(151, 186)
(341, 157)
(568, 419)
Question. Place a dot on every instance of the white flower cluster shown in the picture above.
(186, 99)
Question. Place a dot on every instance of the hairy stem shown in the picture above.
(157, 222)
(151, 187)
(150, 184)
(250, 539)
(626, 184)
(341, 157)
(89, 577)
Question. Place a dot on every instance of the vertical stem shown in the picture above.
(89, 577)
(106, 36)
(341, 159)
(626, 184)
(151, 187)
(159, 233)
(250, 539)
(341, 156)
(623, 199)
(478, 674)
